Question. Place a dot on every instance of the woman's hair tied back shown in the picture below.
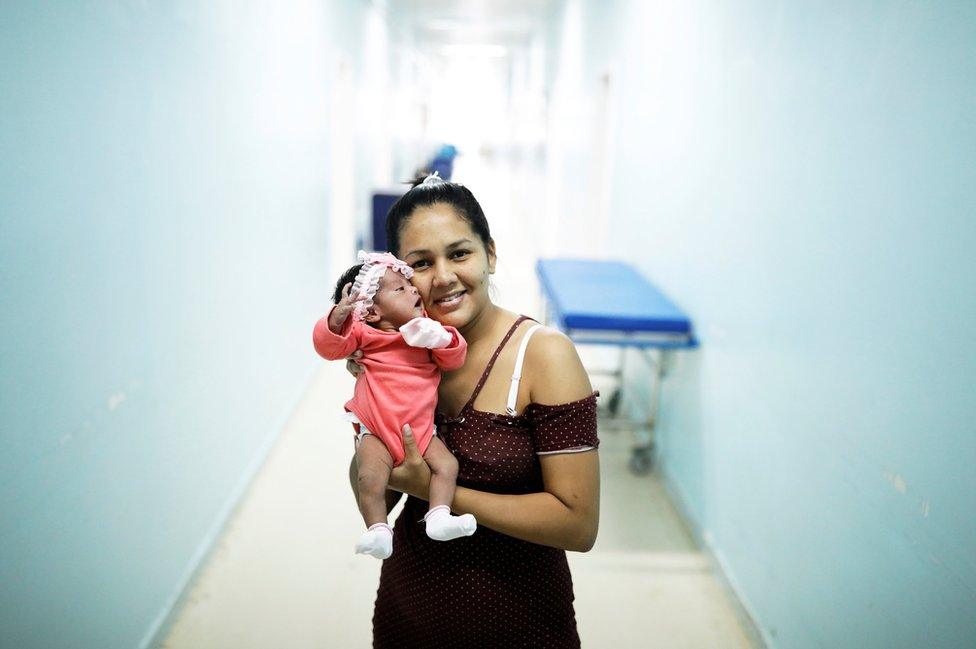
(430, 189)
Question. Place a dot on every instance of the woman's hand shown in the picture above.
(413, 476)
(352, 363)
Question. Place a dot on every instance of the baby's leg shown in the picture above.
(441, 525)
(375, 463)
(444, 469)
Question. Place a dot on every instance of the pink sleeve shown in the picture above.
(335, 346)
(451, 357)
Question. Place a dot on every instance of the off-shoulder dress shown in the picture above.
(487, 590)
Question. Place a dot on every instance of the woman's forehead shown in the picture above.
(433, 228)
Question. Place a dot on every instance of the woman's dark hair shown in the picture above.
(346, 278)
(457, 196)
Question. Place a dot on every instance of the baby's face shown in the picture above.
(396, 301)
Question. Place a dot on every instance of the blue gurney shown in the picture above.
(610, 303)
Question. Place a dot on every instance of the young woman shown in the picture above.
(520, 417)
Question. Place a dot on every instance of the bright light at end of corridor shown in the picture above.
(474, 50)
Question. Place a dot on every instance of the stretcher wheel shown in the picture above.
(641, 461)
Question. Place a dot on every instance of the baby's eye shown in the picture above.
(399, 288)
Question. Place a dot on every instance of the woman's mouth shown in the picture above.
(450, 300)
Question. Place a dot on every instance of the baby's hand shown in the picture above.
(342, 310)
(424, 332)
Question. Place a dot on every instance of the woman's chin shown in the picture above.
(456, 318)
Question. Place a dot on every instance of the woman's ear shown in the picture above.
(490, 249)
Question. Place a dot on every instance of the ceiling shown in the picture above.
(488, 22)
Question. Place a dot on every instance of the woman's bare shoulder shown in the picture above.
(553, 368)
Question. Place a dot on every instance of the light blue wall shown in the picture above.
(163, 228)
(801, 178)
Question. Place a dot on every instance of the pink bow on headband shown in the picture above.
(386, 259)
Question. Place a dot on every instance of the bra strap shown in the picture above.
(491, 362)
(517, 375)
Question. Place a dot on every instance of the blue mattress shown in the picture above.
(609, 302)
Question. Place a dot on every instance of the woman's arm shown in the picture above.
(566, 514)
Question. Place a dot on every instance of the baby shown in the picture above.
(378, 311)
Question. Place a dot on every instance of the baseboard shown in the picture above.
(161, 626)
(740, 604)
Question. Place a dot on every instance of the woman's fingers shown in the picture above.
(410, 452)
(413, 475)
(352, 363)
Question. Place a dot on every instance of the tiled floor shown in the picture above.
(284, 573)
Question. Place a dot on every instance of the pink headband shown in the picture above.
(367, 282)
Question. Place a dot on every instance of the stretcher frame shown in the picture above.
(655, 347)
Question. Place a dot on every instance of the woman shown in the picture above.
(526, 448)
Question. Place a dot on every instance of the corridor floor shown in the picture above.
(284, 574)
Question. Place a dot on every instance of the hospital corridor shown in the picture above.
(747, 226)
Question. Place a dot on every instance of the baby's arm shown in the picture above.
(337, 335)
(446, 345)
(343, 309)
(451, 357)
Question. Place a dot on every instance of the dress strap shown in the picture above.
(517, 374)
(491, 361)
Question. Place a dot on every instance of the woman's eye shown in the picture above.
(419, 264)
(457, 254)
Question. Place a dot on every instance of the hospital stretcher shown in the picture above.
(610, 303)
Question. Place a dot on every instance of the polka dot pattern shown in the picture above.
(487, 590)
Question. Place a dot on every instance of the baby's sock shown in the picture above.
(377, 541)
(442, 526)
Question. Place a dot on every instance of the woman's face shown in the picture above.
(450, 264)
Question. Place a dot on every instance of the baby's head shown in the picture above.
(391, 300)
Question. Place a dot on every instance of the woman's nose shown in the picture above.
(443, 275)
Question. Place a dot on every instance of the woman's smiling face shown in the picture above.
(450, 264)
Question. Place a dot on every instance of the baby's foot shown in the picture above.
(442, 526)
(377, 541)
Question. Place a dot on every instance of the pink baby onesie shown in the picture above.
(399, 384)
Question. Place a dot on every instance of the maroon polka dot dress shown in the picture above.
(487, 590)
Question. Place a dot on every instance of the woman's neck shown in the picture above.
(483, 324)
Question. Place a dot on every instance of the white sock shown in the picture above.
(442, 526)
(377, 541)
